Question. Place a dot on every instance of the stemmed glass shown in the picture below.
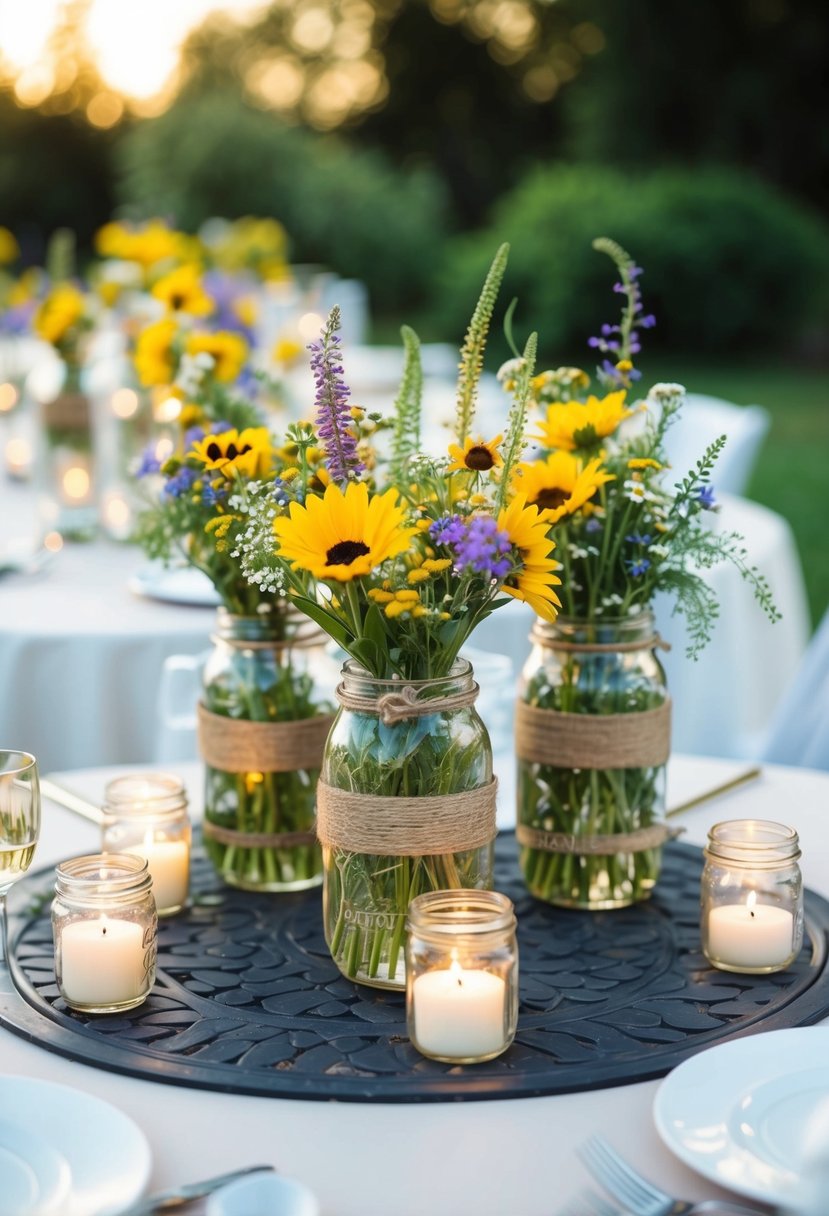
(19, 824)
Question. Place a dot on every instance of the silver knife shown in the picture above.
(170, 1201)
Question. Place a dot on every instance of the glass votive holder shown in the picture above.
(751, 897)
(461, 975)
(105, 928)
(146, 814)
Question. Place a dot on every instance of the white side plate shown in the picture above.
(739, 1113)
(105, 1155)
(174, 585)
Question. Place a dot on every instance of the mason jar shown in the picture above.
(146, 814)
(461, 975)
(105, 927)
(592, 743)
(265, 713)
(406, 805)
(751, 897)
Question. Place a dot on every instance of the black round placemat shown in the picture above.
(247, 999)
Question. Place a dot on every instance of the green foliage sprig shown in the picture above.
(474, 344)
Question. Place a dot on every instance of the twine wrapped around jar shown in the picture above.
(593, 741)
(236, 745)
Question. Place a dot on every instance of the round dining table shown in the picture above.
(515, 1157)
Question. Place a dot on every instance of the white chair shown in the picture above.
(701, 421)
(799, 732)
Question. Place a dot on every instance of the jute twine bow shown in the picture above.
(235, 745)
(67, 412)
(405, 703)
(602, 846)
(408, 827)
(593, 741)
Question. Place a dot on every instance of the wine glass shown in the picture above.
(19, 824)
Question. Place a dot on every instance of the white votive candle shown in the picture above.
(169, 864)
(459, 1014)
(750, 935)
(102, 961)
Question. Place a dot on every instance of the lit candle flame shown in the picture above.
(456, 969)
(751, 901)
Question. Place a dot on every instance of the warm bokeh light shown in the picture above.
(309, 326)
(8, 397)
(167, 410)
(18, 457)
(320, 61)
(117, 515)
(76, 483)
(53, 541)
(124, 402)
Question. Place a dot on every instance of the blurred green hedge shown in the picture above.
(730, 263)
(343, 207)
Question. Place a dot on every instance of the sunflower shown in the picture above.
(475, 456)
(154, 360)
(526, 528)
(559, 485)
(343, 535)
(181, 290)
(9, 248)
(247, 452)
(63, 308)
(228, 350)
(573, 424)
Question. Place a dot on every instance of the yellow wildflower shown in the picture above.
(286, 351)
(407, 596)
(420, 611)
(154, 353)
(417, 576)
(379, 596)
(573, 424)
(395, 608)
(559, 485)
(437, 564)
(247, 452)
(181, 291)
(62, 309)
(476, 455)
(644, 462)
(9, 248)
(228, 351)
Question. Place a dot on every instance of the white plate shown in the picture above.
(107, 1155)
(739, 1113)
(174, 585)
(34, 1177)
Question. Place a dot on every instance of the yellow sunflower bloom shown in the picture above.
(153, 357)
(153, 243)
(227, 349)
(475, 456)
(286, 351)
(62, 309)
(247, 452)
(559, 485)
(9, 248)
(181, 291)
(527, 528)
(344, 534)
(573, 424)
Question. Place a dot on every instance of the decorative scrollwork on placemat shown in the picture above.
(247, 999)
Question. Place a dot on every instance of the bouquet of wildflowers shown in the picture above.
(398, 559)
(625, 528)
(259, 809)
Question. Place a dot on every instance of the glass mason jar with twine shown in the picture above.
(264, 716)
(592, 740)
(405, 805)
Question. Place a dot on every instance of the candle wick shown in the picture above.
(460, 982)
(104, 930)
(752, 912)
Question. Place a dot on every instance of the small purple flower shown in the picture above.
(593, 525)
(705, 498)
(213, 495)
(149, 462)
(192, 435)
(181, 482)
(484, 549)
(333, 413)
(638, 566)
(219, 428)
(637, 538)
(447, 531)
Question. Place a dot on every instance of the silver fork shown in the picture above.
(588, 1203)
(641, 1197)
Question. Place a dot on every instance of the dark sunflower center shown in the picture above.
(345, 552)
(214, 451)
(232, 451)
(479, 458)
(176, 301)
(550, 498)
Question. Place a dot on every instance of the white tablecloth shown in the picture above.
(497, 1158)
(81, 656)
